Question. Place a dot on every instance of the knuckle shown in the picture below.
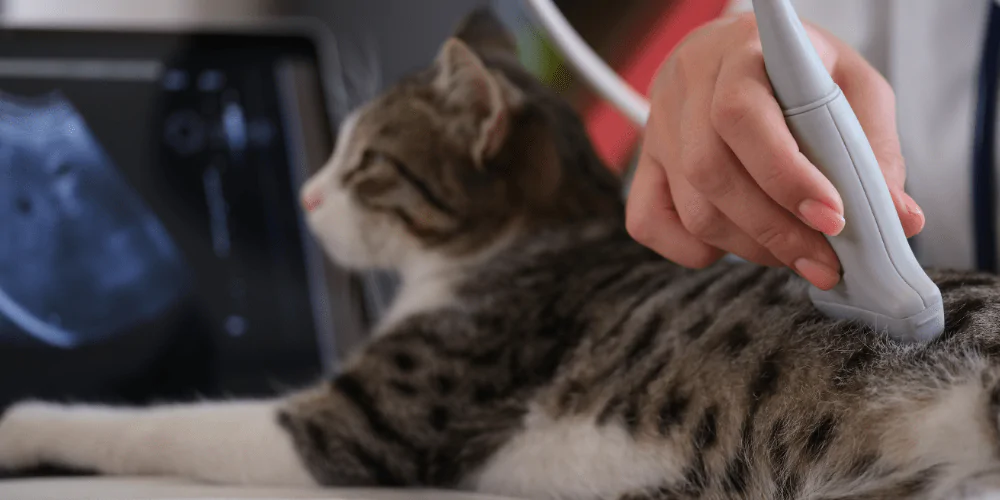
(745, 23)
(678, 66)
(665, 85)
(702, 220)
(751, 52)
(777, 238)
(637, 224)
(776, 175)
(730, 109)
(704, 171)
(686, 67)
(709, 179)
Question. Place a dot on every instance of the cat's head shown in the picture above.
(454, 159)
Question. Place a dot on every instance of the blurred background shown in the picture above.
(372, 44)
(380, 40)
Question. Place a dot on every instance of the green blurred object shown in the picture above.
(542, 59)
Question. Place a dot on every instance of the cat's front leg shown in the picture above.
(227, 442)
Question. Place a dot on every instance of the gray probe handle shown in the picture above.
(883, 285)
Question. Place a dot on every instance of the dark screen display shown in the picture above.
(151, 245)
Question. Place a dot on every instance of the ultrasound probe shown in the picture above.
(882, 285)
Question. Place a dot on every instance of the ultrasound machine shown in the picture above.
(151, 243)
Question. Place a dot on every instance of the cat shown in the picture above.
(537, 351)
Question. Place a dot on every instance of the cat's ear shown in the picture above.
(485, 33)
(465, 82)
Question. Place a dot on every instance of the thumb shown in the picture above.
(874, 103)
(893, 167)
(910, 214)
(890, 160)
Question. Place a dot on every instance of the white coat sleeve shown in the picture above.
(862, 24)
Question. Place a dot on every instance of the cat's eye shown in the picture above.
(375, 156)
(369, 157)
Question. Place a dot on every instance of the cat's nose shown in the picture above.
(312, 200)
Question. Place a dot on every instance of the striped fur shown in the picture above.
(729, 370)
(537, 351)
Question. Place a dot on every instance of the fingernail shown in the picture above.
(818, 274)
(822, 217)
(914, 223)
(912, 207)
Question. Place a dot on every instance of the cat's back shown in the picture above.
(719, 377)
(618, 308)
(579, 347)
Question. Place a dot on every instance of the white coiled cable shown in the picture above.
(602, 78)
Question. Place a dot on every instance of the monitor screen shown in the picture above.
(151, 243)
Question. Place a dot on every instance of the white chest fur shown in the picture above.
(418, 296)
(574, 458)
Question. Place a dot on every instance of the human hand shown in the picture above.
(720, 172)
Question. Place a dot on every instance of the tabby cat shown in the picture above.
(536, 351)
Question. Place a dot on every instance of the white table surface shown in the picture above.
(129, 488)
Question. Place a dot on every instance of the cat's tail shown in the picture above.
(237, 443)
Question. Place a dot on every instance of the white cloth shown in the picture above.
(137, 488)
(929, 51)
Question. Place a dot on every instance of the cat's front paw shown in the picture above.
(25, 432)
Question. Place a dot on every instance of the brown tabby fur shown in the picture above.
(754, 392)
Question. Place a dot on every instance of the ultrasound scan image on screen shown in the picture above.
(82, 258)
(151, 243)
